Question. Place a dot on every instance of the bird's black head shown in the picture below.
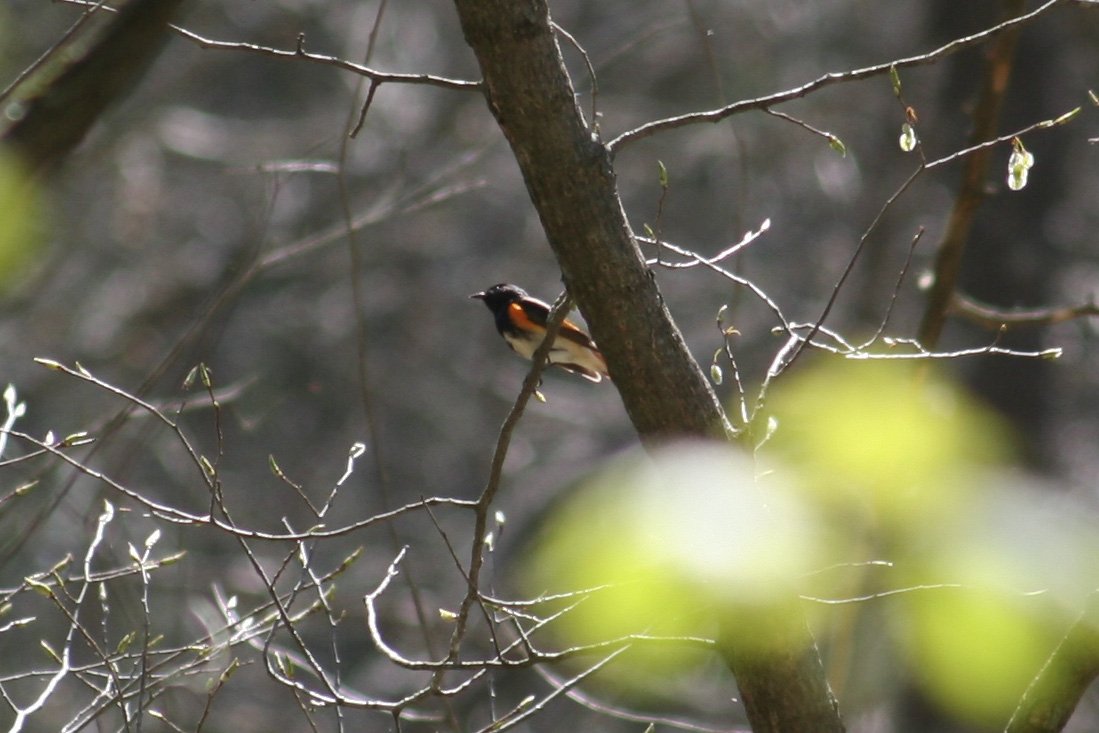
(500, 296)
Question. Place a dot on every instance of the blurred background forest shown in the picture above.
(202, 221)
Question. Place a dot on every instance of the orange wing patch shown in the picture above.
(521, 320)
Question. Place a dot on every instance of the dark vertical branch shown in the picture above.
(948, 261)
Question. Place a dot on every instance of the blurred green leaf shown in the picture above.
(661, 543)
(975, 649)
(21, 220)
(882, 441)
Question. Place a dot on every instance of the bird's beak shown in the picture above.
(478, 296)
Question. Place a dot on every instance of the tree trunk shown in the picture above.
(569, 174)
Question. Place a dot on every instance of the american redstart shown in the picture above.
(521, 320)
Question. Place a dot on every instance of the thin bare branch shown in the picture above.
(591, 71)
(299, 52)
(540, 360)
(995, 319)
(762, 103)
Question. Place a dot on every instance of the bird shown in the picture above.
(521, 320)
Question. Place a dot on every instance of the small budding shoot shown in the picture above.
(1018, 165)
(908, 138)
(837, 145)
(895, 80)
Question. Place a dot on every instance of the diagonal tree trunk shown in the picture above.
(571, 180)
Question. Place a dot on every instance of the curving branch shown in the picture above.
(996, 319)
(764, 103)
(299, 52)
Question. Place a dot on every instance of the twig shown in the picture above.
(994, 318)
(760, 103)
(712, 263)
(832, 139)
(362, 341)
(502, 725)
(616, 712)
(697, 259)
(540, 360)
(65, 657)
(179, 516)
(591, 72)
(465, 577)
(1003, 139)
(299, 52)
(777, 366)
(896, 290)
(90, 10)
(863, 239)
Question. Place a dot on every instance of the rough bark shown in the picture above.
(570, 178)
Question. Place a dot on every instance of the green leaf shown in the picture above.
(908, 139)
(1018, 165)
(125, 642)
(21, 218)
